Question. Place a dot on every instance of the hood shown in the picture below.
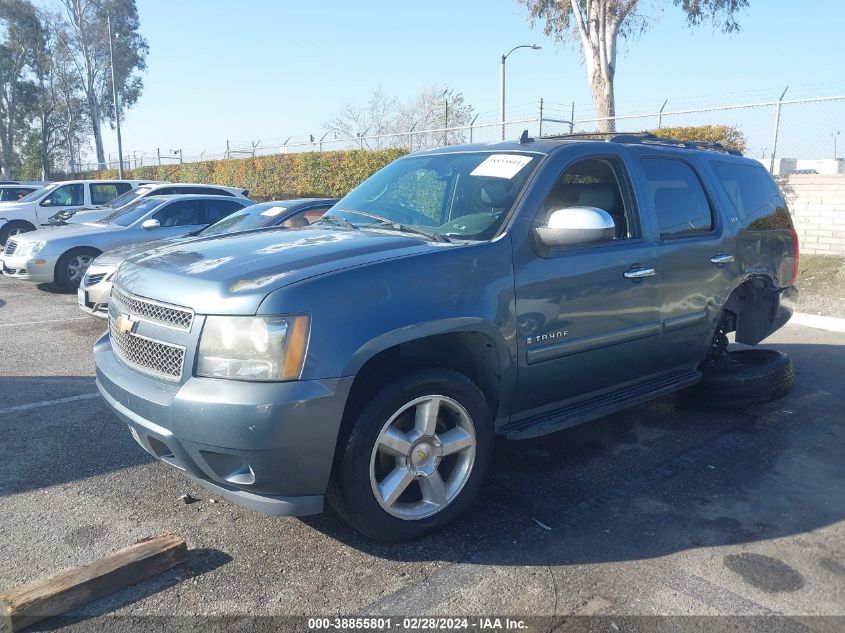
(71, 231)
(231, 274)
(11, 205)
(116, 256)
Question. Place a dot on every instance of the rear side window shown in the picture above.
(677, 197)
(218, 209)
(753, 194)
(104, 192)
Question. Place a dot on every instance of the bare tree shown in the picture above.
(89, 47)
(598, 25)
(433, 108)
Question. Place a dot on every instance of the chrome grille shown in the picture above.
(153, 357)
(90, 280)
(11, 247)
(153, 311)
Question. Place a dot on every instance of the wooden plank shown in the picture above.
(76, 586)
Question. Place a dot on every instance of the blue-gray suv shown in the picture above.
(512, 289)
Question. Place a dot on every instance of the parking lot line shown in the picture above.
(79, 318)
(48, 403)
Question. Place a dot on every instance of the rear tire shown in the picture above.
(71, 267)
(391, 442)
(743, 378)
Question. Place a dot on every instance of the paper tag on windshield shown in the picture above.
(272, 212)
(501, 165)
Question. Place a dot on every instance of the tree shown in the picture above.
(22, 35)
(385, 115)
(89, 47)
(598, 25)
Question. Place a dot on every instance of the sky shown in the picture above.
(263, 70)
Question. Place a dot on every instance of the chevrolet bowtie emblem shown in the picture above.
(125, 323)
(421, 453)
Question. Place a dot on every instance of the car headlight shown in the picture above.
(29, 248)
(253, 348)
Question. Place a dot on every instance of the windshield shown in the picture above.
(457, 195)
(36, 195)
(133, 212)
(130, 196)
(251, 217)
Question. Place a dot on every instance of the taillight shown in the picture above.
(795, 248)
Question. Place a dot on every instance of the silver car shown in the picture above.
(96, 284)
(62, 255)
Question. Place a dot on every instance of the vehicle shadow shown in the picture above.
(55, 289)
(641, 483)
(654, 480)
(75, 438)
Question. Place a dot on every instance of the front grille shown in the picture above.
(153, 357)
(164, 314)
(11, 247)
(90, 280)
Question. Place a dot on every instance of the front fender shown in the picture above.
(359, 311)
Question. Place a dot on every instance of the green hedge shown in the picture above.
(273, 177)
(727, 135)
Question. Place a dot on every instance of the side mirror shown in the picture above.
(577, 225)
(47, 203)
(151, 224)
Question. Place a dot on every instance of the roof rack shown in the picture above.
(647, 138)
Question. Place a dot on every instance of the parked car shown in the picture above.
(12, 192)
(87, 214)
(62, 254)
(95, 288)
(31, 212)
(372, 357)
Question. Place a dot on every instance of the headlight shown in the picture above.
(253, 348)
(29, 248)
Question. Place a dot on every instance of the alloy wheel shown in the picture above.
(423, 457)
(77, 266)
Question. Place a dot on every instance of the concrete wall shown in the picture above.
(817, 204)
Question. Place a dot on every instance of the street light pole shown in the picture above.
(835, 136)
(502, 81)
(116, 109)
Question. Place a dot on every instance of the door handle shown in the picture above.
(639, 273)
(721, 259)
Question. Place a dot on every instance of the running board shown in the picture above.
(598, 406)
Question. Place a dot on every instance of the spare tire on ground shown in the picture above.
(744, 377)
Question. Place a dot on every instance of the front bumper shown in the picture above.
(266, 446)
(38, 268)
(94, 299)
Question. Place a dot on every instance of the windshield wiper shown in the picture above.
(398, 226)
(330, 219)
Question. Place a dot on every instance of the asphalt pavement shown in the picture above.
(661, 509)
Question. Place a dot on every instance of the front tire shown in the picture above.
(415, 457)
(71, 267)
(15, 227)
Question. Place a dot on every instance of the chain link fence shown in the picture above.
(784, 134)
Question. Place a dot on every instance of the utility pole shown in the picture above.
(116, 108)
(446, 126)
